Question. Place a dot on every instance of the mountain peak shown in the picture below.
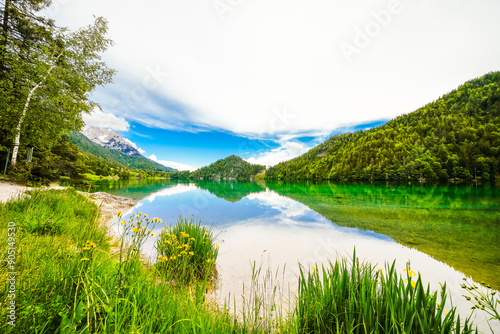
(111, 139)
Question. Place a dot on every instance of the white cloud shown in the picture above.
(287, 150)
(134, 145)
(105, 120)
(193, 68)
(288, 207)
(177, 165)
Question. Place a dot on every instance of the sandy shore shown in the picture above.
(108, 204)
(10, 190)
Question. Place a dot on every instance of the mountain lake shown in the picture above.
(446, 232)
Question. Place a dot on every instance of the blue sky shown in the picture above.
(201, 148)
(198, 80)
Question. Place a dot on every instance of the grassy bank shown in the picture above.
(70, 279)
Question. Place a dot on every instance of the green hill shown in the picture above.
(455, 137)
(116, 157)
(230, 168)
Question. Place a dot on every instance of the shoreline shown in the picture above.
(108, 204)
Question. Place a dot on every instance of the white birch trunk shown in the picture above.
(25, 109)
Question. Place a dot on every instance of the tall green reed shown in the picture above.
(354, 297)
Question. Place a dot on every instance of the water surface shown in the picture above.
(447, 233)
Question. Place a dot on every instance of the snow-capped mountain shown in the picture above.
(111, 139)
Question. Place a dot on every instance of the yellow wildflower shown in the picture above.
(209, 260)
(135, 229)
(191, 253)
(217, 246)
(85, 259)
(411, 273)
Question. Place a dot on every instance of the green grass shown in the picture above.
(70, 280)
(186, 252)
(357, 298)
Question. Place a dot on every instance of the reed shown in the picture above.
(353, 297)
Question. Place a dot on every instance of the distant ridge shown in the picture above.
(455, 137)
(86, 146)
(230, 168)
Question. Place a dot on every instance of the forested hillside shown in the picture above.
(455, 137)
(113, 157)
(230, 168)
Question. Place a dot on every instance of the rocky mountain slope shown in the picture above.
(111, 139)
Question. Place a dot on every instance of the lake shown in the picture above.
(447, 232)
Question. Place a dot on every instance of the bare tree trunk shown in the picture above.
(23, 115)
(5, 24)
(5, 35)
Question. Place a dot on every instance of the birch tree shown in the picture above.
(49, 81)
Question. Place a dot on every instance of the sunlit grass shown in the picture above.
(186, 252)
(354, 297)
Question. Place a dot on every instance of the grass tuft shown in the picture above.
(354, 297)
(186, 252)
